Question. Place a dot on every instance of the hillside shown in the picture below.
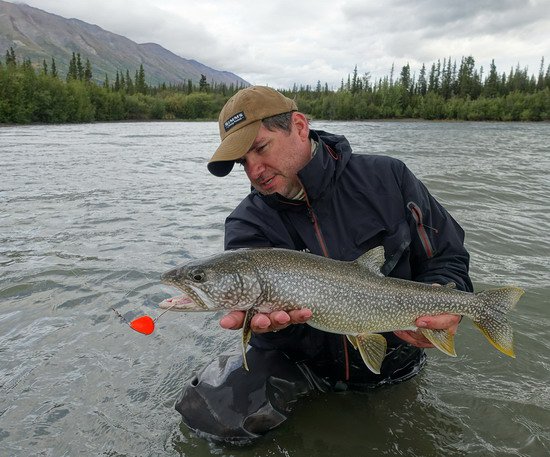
(38, 35)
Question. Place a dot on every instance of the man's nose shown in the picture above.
(254, 167)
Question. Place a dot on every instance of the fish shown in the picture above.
(351, 298)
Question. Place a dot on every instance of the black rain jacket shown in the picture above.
(353, 203)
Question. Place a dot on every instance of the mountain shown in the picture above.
(38, 35)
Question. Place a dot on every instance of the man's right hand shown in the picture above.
(263, 323)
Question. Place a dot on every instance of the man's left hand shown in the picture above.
(440, 322)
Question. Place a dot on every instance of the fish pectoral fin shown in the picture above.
(353, 340)
(247, 334)
(441, 339)
(450, 285)
(372, 347)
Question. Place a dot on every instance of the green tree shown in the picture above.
(491, 86)
(73, 71)
(141, 86)
(129, 84)
(422, 83)
(53, 71)
(117, 85)
(466, 77)
(203, 85)
(79, 68)
(88, 72)
(10, 57)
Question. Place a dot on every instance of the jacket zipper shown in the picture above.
(421, 229)
(322, 244)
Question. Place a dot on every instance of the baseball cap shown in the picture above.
(240, 120)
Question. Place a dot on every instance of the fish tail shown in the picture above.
(492, 322)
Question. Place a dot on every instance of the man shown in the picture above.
(311, 193)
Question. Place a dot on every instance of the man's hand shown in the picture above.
(440, 322)
(263, 323)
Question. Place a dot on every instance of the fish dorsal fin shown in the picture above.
(373, 260)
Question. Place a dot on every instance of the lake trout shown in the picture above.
(350, 298)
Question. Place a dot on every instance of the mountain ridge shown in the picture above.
(39, 35)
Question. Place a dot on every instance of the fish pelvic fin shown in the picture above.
(353, 341)
(441, 339)
(247, 334)
(493, 322)
(373, 260)
(372, 347)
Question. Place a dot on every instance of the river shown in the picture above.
(91, 215)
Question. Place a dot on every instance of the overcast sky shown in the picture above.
(280, 43)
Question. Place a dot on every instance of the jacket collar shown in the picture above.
(320, 173)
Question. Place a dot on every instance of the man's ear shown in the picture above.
(301, 124)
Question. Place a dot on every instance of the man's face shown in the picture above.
(273, 161)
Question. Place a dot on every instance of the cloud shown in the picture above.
(286, 42)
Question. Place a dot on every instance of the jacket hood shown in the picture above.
(321, 173)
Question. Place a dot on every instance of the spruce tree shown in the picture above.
(73, 72)
(117, 83)
(53, 71)
(88, 71)
(422, 84)
(141, 87)
(11, 60)
(79, 68)
(129, 83)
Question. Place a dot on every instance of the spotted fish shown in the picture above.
(350, 298)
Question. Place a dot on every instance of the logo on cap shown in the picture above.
(234, 120)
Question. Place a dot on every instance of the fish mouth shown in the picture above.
(178, 303)
(192, 299)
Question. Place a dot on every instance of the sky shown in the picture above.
(287, 42)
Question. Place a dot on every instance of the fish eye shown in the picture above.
(197, 275)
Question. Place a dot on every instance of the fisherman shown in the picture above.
(310, 192)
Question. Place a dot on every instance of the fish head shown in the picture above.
(223, 281)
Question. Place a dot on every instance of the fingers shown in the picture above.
(278, 320)
(233, 321)
(440, 322)
(414, 338)
(263, 323)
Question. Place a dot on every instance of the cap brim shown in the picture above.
(222, 168)
(233, 147)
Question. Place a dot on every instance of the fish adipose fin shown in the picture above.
(373, 260)
(372, 347)
(493, 323)
(441, 339)
(247, 334)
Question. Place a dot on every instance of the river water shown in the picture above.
(91, 215)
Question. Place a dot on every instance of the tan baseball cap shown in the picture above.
(240, 120)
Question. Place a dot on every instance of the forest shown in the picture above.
(446, 90)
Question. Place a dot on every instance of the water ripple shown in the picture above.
(91, 222)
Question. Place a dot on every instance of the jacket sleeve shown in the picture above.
(437, 252)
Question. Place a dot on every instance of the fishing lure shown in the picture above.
(143, 324)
